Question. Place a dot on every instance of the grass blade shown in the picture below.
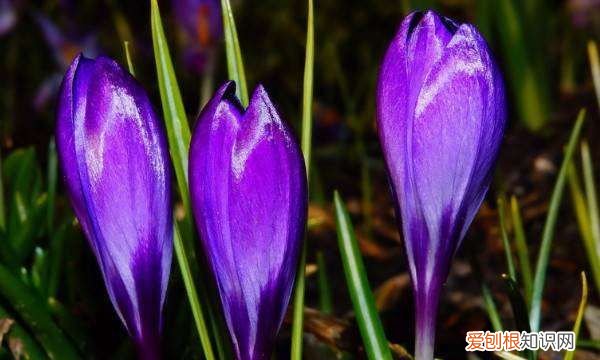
(490, 308)
(519, 308)
(595, 67)
(190, 288)
(307, 100)
(583, 222)
(2, 206)
(582, 304)
(33, 312)
(235, 64)
(522, 249)
(369, 324)
(325, 302)
(550, 225)
(128, 58)
(178, 129)
(591, 195)
(52, 179)
(505, 242)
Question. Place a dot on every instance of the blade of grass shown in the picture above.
(522, 250)
(33, 312)
(190, 288)
(178, 129)
(2, 207)
(325, 302)
(307, 100)
(178, 132)
(490, 308)
(549, 226)
(582, 304)
(595, 67)
(519, 308)
(369, 324)
(128, 58)
(505, 242)
(508, 356)
(591, 195)
(52, 171)
(235, 64)
(583, 222)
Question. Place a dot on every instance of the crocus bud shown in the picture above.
(249, 196)
(113, 155)
(441, 116)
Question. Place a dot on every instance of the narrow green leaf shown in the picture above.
(2, 206)
(505, 242)
(582, 304)
(190, 288)
(178, 129)
(369, 324)
(128, 58)
(39, 271)
(307, 100)
(52, 179)
(490, 308)
(522, 248)
(589, 344)
(70, 325)
(57, 245)
(591, 195)
(519, 308)
(325, 301)
(583, 222)
(33, 312)
(235, 64)
(550, 225)
(595, 67)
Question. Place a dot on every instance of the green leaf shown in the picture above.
(550, 225)
(325, 301)
(583, 222)
(591, 195)
(128, 58)
(34, 313)
(57, 245)
(490, 308)
(52, 179)
(178, 129)
(582, 304)
(505, 242)
(2, 205)
(519, 308)
(307, 100)
(595, 67)
(70, 324)
(522, 249)
(39, 271)
(192, 294)
(369, 324)
(235, 64)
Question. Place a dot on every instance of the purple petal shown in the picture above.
(248, 186)
(113, 156)
(441, 116)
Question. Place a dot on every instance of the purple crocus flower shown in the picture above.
(441, 116)
(248, 188)
(113, 155)
(202, 25)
